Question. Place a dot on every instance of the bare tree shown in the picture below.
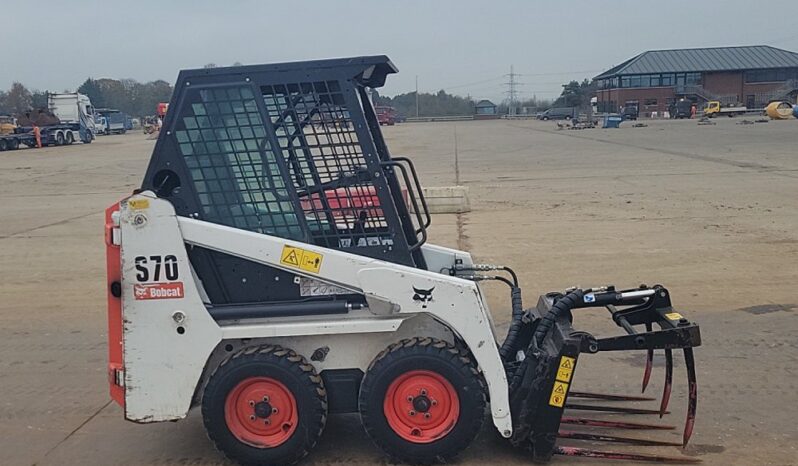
(18, 99)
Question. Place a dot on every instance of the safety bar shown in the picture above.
(418, 188)
(422, 225)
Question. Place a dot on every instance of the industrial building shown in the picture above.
(652, 81)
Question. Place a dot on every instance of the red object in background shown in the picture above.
(346, 203)
(162, 108)
(385, 115)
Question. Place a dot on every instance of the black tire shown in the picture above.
(294, 373)
(69, 138)
(545, 118)
(13, 144)
(59, 138)
(3, 144)
(426, 356)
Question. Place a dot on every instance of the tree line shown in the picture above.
(141, 99)
(127, 95)
(574, 94)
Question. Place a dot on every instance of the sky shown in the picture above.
(466, 47)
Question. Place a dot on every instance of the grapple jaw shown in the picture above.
(543, 356)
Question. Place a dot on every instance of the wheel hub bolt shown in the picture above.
(426, 415)
(410, 399)
(266, 399)
(423, 392)
(263, 410)
(421, 404)
(251, 403)
(412, 413)
(434, 402)
(252, 417)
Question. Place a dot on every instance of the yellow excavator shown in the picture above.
(7, 124)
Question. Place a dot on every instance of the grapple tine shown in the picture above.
(666, 390)
(608, 396)
(581, 421)
(611, 409)
(615, 439)
(689, 361)
(614, 455)
(649, 363)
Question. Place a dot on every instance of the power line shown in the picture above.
(512, 91)
(560, 73)
(495, 78)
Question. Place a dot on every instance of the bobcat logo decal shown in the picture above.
(422, 296)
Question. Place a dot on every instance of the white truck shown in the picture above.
(77, 113)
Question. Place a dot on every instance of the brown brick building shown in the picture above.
(652, 81)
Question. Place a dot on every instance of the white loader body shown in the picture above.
(171, 343)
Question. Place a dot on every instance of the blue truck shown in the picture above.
(116, 122)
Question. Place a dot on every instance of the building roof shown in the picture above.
(705, 59)
(485, 103)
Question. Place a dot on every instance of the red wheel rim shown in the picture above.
(421, 406)
(261, 412)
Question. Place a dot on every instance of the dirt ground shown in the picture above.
(709, 211)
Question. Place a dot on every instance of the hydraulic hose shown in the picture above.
(510, 345)
(561, 306)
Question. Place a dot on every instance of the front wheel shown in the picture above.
(265, 405)
(422, 401)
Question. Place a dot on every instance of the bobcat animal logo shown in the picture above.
(422, 296)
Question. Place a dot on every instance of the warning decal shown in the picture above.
(302, 259)
(139, 204)
(566, 369)
(673, 316)
(558, 393)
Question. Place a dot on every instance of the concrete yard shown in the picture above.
(709, 211)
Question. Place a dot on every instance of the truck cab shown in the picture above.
(74, 109)
(385, 115)
(712, 107)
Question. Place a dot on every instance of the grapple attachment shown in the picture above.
(542, 352)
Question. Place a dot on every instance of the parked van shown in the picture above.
(558, 113)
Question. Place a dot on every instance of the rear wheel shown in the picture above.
(422, 401)
(59, 138)
(13, 144)
(265, 405)
(69, 138)
(3, 144)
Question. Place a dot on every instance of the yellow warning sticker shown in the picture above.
(558, 394)
(139, 204)
(302, 259)
(673, 316)
(566, 369)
